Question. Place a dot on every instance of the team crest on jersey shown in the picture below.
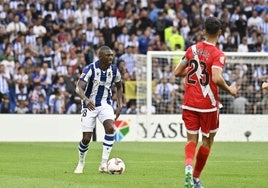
(109, 74)
(222, 59)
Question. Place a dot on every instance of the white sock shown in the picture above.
(82, 150)
(107, 147)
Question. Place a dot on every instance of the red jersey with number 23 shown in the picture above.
(201, 93)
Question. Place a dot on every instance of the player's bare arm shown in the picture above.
(180, 70)
(219, 80)
(80, 90)
(119, 99)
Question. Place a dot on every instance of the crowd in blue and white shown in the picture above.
(44, 45)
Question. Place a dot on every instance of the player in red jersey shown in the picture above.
(202, 67)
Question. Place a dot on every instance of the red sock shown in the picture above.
(201, 160)
(189, 151)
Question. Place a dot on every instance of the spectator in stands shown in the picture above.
(243, 47)
(35, 93)
(176, 38)
(164, 96)
(160, 24)
(144, 41)
(38, 28)
(124, 36)
(254, 22)
(21, 108)
(118, 29)
(240, 103)
(49, 9)
(241, 25)
(178, 94)
(229, 46)
(81, 14)
(72, 106)
(73, 31)
(48, 56)
(56, 103)
(19, 47)
(22, 96)
(9, 64)
(184, 30)
(47, 74)
(21, 78)
(263, 28)
(5, 107)
(67, 12)
(40, 107)
(143, 22)
(5, 80)
(128, 58)
(15, 27)
(132, 107)
(154, 10)
(107, 31)
(259, 75)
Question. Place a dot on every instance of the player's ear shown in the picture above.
(219, 32)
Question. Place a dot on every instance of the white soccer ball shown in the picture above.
(116, 166)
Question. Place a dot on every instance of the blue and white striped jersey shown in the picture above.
(99, 83)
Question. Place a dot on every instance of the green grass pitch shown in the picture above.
(148, 165)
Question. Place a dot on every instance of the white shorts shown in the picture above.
(88, 118)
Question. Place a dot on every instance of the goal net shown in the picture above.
(247, 70)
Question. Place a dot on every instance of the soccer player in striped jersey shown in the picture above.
(94, 87)
(202, 67)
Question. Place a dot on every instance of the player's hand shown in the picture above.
(90, 105)
(264, 85)
(117, 113)
(233, 90)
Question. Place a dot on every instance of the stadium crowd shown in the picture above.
(44, 45)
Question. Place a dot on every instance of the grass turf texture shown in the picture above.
(148, 165)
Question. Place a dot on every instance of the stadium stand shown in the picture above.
(44, 45)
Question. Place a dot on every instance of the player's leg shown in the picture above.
(106, 116)
(82, 151)
(189, 152)
(192, 125)
(88, 119)
(201, 158)
(209, 126)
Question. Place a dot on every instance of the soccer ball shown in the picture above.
(116, 166)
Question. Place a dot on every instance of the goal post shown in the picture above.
(242, 68)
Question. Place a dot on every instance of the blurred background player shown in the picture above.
(94, 87)
(202, 67)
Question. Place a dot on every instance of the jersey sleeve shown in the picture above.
(187, 56)
(86, 74)
(117, 76)
(220, 60)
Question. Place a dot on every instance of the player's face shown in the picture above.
(108, 56)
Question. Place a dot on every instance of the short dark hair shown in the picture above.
(212, 25)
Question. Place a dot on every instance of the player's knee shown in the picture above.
(207, 143)
(110, 130)
(86, 140)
